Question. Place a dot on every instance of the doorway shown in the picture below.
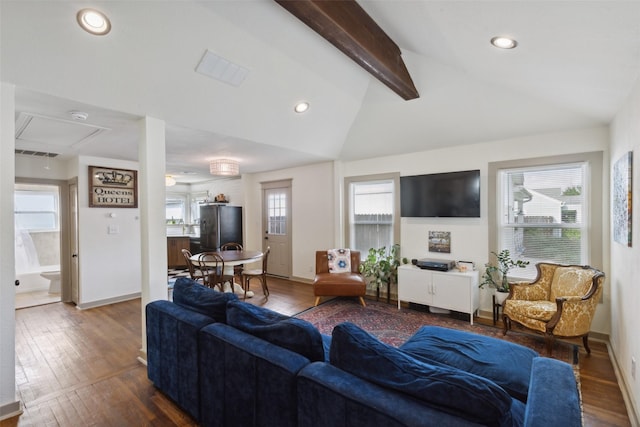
(37, 240)
(276, 224)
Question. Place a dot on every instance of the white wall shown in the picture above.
(313, 212)
(625, 269)
(9, 405)
(230, 187)
(109, 263)
(469, 236)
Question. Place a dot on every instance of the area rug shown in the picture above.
(394, 326)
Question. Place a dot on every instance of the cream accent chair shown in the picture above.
(561, 302)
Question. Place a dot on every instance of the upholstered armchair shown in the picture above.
(348, 283)
(561, 302)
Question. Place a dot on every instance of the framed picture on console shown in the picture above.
(112, 187)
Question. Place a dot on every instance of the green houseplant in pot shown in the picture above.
(381, 268)
(496, 276)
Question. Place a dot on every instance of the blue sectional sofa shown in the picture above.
(229, 363)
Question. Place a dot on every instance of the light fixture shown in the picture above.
(224, 167)
(504, 42)
(301, 107)
(169, 181)
(93, 21)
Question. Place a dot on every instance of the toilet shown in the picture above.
(54, 277)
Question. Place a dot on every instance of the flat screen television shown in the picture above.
(447, 195)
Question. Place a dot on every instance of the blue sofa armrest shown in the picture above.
(172, 357)
(330, 397)
(553, 395)
(246, 381)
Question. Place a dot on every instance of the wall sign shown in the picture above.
(112, 188)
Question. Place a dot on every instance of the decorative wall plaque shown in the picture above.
(112, 188)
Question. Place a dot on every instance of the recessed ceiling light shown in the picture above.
(504, 42)
(93, 21)
(301, 107)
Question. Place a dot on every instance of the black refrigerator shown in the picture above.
(219, 224)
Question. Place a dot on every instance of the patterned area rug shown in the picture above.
(394, 327)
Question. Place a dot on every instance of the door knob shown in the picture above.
(17, 282)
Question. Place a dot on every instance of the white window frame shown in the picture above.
(592, 225)
(37, 189)
(182, 197)
(348, 204)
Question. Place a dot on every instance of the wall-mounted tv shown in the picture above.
(448, 195)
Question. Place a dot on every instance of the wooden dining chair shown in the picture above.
(211, 265)
(237, 269)
(258, 273)
(195, 274)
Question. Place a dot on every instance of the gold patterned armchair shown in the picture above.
(561, 302)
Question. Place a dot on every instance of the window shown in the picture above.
(175, 207)
(543, 214)
(36, 207)
(277, 212)
(372, 209)
(197, 199)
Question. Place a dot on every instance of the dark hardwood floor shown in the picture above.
(80, 368)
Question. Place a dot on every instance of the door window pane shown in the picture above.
(277, 213)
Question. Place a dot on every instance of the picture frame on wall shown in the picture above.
(112, 187)
(440, 241)
(622, 199)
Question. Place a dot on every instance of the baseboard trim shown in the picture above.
(632, 410)
(301, 279)
(10, 410)
(142, 357)
(108, 301)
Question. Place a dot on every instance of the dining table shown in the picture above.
(231, 259)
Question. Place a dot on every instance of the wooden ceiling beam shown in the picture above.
(349, 28)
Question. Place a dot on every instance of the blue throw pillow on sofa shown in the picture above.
(291, 333)
(194, 296)
(467, 395)
(505, 363)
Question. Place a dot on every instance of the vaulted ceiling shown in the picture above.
(575, 64)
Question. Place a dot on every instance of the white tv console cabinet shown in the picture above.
(451, 290)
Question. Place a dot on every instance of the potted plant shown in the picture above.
(505, 264)
(381, 267)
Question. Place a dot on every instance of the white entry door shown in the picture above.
(276, 225)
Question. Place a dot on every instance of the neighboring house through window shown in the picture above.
(372, 207)
(547, 210)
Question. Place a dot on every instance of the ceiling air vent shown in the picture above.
(36, 153)
(216, 67)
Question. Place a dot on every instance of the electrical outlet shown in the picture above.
(633, 367)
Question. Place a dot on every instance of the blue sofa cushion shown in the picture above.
(291, 333)
(190, 294)
(507, 364)
(452, 390)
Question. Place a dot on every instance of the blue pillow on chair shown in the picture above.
(467, 395)
(291, 333)
(194, 296)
